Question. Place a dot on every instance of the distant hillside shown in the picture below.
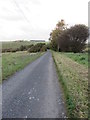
(37, 40)
(15, 44)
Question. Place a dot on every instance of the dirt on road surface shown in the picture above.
(34, 92)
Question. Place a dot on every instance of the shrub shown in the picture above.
(22, 48)
(14, 50)
(37, 47)
(32, 49)
(29, 46)
(3, 50)
(6, 50)
(44, 48)
(48, 46)
(17, 49)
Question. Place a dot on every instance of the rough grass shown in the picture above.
(12, 62)
(17, 44)
(81, 58)
(74, 79)
(7, 45)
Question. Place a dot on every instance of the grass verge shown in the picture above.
(12, 62)
(74, 79)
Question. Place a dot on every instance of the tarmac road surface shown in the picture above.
(34, 92)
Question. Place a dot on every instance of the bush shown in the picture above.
(32, 49)
(6, 50)
(37, 47)
(29, 46)
(44, 48)
(14, 50)
(22, 48)
(48, 46)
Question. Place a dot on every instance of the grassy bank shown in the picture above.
(74, 79)
(12, 62)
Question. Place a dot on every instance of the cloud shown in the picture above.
(35, 19)
(12, 18)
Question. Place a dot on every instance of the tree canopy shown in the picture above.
(69, 39)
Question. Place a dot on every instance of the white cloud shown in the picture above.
(34, 19)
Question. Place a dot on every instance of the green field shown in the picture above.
(81, 58)
(74, 79)
(17, 44)
(12, 62)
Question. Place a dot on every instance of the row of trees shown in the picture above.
(71, 39)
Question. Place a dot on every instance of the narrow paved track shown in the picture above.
(34, 92)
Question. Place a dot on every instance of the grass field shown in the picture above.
(17, 44)
(81, 58)
(12, 62)
(74, 79)
(7, 45)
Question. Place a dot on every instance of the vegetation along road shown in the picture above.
(12, 62)
(73, 74)
(34, 92)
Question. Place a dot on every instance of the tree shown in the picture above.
(61, 25)
(54, 35)
(74, 38)
(78, 35)
(54, 39)
(69, 39)
(64, 41)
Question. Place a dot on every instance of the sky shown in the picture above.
(35, 19)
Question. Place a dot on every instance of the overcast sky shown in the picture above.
(35, 19)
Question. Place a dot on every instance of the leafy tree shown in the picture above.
(74, 38)
(61, 25)
(54, 38)
(78, 35)
(64, 41)
(54, 35)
